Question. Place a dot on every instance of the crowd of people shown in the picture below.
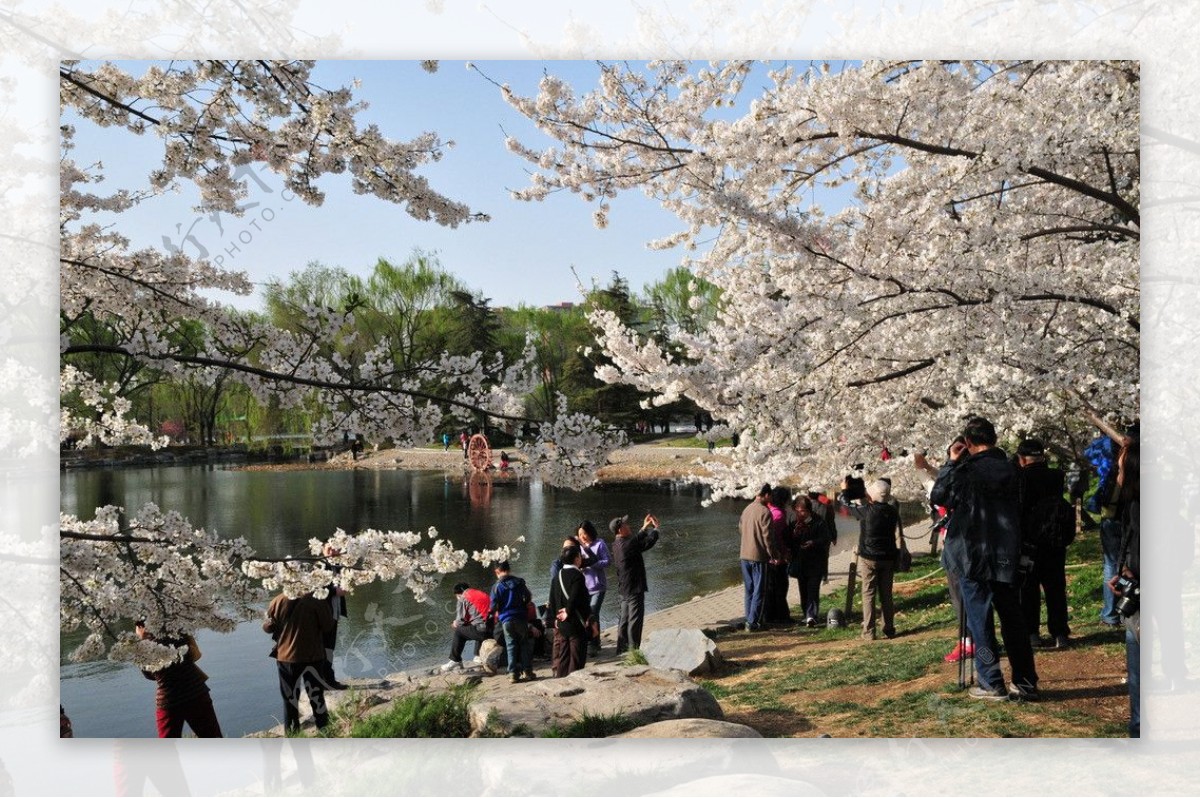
(566, 629)
(1005, 524)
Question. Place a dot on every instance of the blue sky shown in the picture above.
(523, 255)
(526, 254)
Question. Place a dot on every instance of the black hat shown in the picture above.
(1031, 447)
(615, 524)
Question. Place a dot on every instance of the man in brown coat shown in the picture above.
(299, 627)
(758, 548)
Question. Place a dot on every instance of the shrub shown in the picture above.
(421, 714)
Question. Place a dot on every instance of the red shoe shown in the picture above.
(957, 653)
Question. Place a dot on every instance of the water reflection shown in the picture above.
(277, 512)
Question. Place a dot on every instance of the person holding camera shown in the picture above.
(979, 486)
(1125, 585)
(627, 551)
(879, 531)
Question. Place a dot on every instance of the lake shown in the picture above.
(387, 631)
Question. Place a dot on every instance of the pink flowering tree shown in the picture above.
(896, 245)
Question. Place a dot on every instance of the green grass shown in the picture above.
(590, 725)
(421, 714)
(634, 656)
(689, 443)
(879, 701)
(718, 691)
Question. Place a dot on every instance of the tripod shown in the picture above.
(966, 672)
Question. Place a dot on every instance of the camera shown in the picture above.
(856, 488)
(1130, 594)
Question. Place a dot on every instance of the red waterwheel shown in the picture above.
(479, 452)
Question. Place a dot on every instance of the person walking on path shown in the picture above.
(569, 608)
(879, 531)
(596, 559)
(983, 543)
(510, 602)
(181, 695)
(628, 549)
(299, 627)
(757, 550)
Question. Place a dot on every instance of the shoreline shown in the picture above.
(714, 613)
(637, 463)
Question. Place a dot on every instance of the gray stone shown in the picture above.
(687, 650)
(691, 727)
(642, 694)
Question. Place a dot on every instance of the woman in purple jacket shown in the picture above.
(596, 561)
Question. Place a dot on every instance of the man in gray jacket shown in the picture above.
(983, 545)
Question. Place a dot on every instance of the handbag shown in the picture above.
(903, 557)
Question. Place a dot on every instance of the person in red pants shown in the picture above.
(182, 695)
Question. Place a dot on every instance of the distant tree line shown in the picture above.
(422, 312)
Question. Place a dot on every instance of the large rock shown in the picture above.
(691, 727)
(687, 650)
(642, 694)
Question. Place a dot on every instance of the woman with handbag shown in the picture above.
(570, 608)
(809, 557)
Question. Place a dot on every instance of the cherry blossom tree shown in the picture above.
(897, 244)
(217, 123)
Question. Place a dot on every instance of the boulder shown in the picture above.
(642, 694)
(687, 650)
(691, 727)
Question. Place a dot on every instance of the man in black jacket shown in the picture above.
(983, 544)
(631, 577)
(1040, 485)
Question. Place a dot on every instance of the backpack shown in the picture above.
(1055, 522)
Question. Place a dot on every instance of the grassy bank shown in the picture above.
(806, 682)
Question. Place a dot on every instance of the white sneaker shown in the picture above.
(452, 665)
(478, 660)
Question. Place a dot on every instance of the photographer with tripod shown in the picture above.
(983, 542)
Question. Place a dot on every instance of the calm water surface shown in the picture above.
(387, 631)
